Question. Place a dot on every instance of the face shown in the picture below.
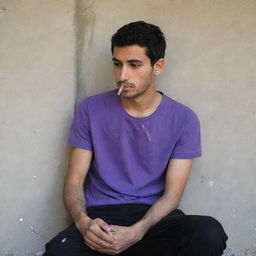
(133, 71)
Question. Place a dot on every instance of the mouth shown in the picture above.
(123, 87)
(127, 86)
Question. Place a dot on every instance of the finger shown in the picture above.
(97, 241)
(92, 244)
(103, 225)
(96, 247)
(114, 228)
(102, 235)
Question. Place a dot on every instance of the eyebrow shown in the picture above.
(129, 61)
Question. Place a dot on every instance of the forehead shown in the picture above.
(126, 53)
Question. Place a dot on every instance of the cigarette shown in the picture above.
(120, 90)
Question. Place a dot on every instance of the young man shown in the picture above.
(131, 157)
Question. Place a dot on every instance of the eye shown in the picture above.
(135, 65)
(117, 64)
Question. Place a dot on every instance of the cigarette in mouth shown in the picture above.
(120, 90)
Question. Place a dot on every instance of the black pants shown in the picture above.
(175, 235)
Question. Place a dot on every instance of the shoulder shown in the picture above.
(98, 97)
(96, 101)
(178, 109)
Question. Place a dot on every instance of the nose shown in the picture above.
(124, 74)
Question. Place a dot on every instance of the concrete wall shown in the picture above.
(211, 62)
(37, 93)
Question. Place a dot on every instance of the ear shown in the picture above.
(158, 67)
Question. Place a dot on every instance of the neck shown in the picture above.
(143, 105)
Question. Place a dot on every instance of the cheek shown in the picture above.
(148, 77)
(115, 72)
(145, 74)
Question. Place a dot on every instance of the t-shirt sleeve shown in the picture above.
(189, 143)
(80, 134)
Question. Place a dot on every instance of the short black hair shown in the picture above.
(142, 34)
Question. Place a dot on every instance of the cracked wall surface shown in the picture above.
(53, 53)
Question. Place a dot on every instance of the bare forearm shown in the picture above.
(73, 188)
(176, 178)
(160, 209)
(74, 201)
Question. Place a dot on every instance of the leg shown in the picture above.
(70, 242)
(210, 238)
(176, 235)
(183, 235)
(67, 243)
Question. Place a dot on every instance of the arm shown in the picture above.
(92, 230)
(176, 177)
(73, 187)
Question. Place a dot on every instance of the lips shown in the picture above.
(127, 86)
(124, 86)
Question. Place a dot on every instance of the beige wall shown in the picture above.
(37, 92)
(211, 62)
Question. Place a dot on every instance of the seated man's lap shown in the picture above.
(180, 234)
(171, 233)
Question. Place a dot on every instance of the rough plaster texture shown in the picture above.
(211, 58)
(37, 93)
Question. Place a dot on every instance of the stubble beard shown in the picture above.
(145, 87)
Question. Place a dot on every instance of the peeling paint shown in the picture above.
(84, 28)
(211, 183)
(36, 132)
(34, 231)
(202, 178)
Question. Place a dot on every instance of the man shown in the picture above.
(131, 157)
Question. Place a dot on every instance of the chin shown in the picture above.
(131, 96)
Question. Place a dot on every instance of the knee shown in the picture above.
(67, 242)
(55, 247)
(212, 231)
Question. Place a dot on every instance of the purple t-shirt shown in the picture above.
(130, 154)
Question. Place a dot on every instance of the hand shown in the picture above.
(96, 233)
(124, 238)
